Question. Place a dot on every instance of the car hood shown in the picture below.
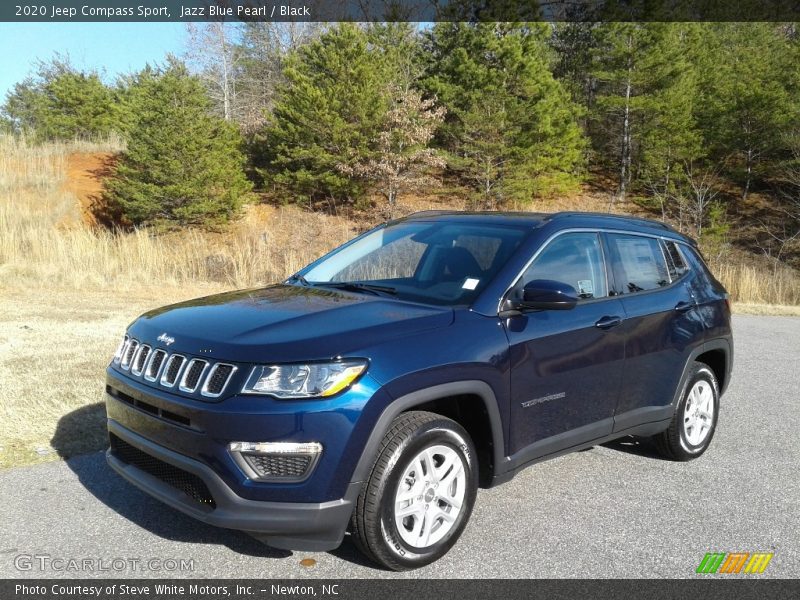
(284, 323)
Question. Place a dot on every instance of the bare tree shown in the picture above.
(264, 47)
(214, 54)
(402, 155)
(790, 190)
(781, 236)
(625, 157)
(703, 188)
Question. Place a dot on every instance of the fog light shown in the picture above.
(276, 461)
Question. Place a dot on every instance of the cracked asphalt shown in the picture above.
(613, 511)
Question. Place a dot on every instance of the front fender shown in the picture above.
(420, 397)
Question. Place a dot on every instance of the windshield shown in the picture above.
(431, 262)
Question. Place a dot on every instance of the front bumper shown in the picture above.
(288, 525)
(168, 442)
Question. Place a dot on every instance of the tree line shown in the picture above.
(685, 118)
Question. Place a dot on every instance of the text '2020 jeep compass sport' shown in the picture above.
(376, 389)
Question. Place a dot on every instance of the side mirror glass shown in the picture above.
(546, 294)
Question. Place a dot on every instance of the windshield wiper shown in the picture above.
(300, 279)
(357, 286)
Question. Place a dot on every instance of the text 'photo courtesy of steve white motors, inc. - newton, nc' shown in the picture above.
(266, 11)
(193, 590)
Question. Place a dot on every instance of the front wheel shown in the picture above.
(695, 420)
(420, 494)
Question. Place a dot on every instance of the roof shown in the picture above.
(513, 218)
(534, 219)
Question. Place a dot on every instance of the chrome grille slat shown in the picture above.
(139, 361)
(157, 360)
(217, 380)
(129, 353)
(172, 370)
(192, 375)
(121, 349)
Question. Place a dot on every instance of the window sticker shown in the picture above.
(470, 284)
(586, 288)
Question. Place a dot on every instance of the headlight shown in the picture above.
(304, 381)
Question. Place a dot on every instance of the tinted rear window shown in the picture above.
(675, 262)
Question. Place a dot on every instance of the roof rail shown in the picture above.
(648, 222)
(428, 213)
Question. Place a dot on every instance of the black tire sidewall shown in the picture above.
(431, 434)
(701, 373)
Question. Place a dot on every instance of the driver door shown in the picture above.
(566, 365)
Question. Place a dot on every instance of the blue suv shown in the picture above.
(375, 390)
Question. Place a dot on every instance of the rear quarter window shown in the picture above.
(675, 262)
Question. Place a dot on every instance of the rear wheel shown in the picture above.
(420, 494)
(695, 420)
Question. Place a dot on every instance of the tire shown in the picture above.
(692, 428)
(415, 442)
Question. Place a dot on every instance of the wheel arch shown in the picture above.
(450, 400)
(717, 358)
(716, 351)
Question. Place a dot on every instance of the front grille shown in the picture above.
(154, 368)
(217, 379)
(123, 345)
(173, 368)
(141, 359)
(188, 483)
(190, 375)
(290, 466)
(127, 355)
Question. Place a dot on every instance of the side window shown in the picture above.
(639, 263)
(675, 263)
(572, 258)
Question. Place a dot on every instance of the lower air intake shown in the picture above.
(188, 483)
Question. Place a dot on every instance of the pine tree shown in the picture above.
(329, 113)
(62, 103)
(643, 121)
(749, 100)
(511, 129)
(182, 165)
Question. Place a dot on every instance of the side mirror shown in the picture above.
(546, 294)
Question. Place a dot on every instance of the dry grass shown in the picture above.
(54, 347)
(774, 310)
(749, 285)
(67, 290)
(36, 247)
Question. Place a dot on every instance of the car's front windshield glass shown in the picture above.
(432, 262)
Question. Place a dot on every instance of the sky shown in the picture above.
(111, 48)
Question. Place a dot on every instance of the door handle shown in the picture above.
(683, 306)
(608, 322)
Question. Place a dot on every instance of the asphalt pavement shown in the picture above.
(613, 511)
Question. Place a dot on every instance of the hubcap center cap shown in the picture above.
(429, 495)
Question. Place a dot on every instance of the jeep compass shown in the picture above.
(372, 392)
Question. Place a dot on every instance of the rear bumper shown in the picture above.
(287, 525)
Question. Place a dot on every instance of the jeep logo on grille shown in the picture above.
(165, 338)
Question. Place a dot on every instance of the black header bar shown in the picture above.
(707, 588)
(397, 10)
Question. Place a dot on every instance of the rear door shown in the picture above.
(566, 365)
(661, 325)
